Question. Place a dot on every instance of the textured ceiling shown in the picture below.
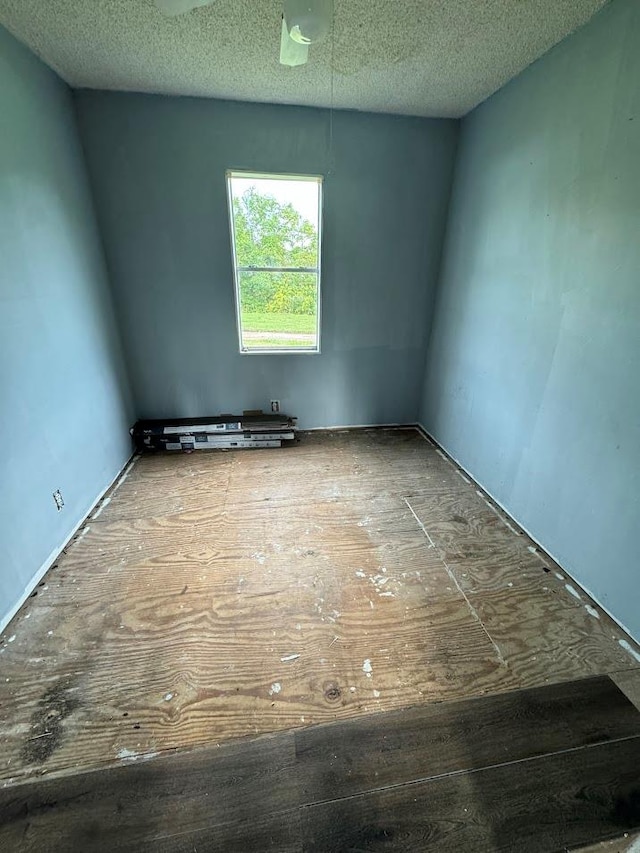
(418, 57)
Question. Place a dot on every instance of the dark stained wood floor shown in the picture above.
(216, 596)
(535, 770)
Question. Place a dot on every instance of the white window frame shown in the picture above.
(269, 176)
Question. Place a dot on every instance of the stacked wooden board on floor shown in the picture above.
(249, 430)
(540, 770)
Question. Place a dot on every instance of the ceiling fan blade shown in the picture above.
(171, 8)
(292, 53)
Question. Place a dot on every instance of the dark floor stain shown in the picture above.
(458, 519)
(47, 730)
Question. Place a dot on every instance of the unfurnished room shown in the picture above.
(320, 426)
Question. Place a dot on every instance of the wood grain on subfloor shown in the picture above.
(218, 595)
(533, 770)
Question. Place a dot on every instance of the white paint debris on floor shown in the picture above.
(276, 687)
(127, 755)
(367, 668)
(125, 474)
(289, 658)
(83, 532)
(629, 648)
(168, 697)
(502, 518)
(591, 611)
(573, 591)
(105, 503)
(379, 582)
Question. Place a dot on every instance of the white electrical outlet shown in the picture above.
(275, 405)
(59, 500)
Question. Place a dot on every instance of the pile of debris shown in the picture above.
(249, 430)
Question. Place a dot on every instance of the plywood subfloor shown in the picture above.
(219, 595)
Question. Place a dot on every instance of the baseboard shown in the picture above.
(427, 435)
(55, 554)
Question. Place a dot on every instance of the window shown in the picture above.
(275, 232)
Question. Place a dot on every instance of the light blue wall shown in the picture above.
(533, 373)
(158, 172)
(63, 390)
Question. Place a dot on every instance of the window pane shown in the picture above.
(278, 310)
(275, 222)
